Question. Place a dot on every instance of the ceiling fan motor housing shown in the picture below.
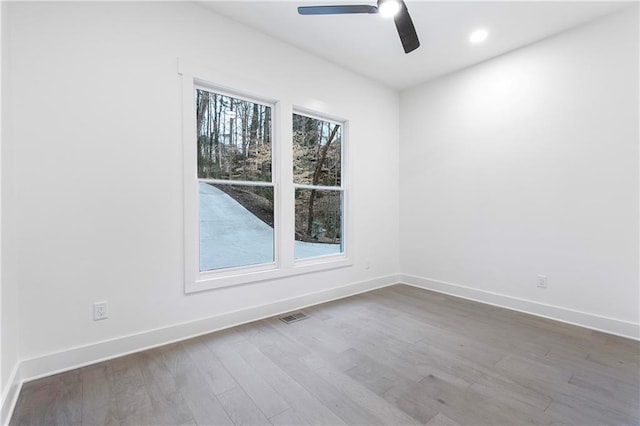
(396, 8)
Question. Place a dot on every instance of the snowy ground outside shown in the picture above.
(230, 235)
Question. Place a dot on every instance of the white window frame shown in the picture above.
(344, 231)
(282, 180)
(215, 273)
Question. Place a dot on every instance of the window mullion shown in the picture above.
(236, 182)
(318, 187)
(284, 160)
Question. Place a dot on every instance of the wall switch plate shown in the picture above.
(541, 281)
(100, 311)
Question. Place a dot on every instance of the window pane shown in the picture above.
(318, 223)
(234, 138)
(236, 226)
(316, 151)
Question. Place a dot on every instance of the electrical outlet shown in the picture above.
(367, 264)
(541, 281)
(100, 311)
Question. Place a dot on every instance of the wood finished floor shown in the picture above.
(394, 356)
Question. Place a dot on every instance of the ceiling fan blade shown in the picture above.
(406, 30)
(337, 10)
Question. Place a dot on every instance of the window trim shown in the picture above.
(282, 113)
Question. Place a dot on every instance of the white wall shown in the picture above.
(93, 169)
(528, 164)
(2, 38)
(9, 315)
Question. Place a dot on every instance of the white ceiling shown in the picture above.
(369, 44)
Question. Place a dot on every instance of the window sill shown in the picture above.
(224, 279)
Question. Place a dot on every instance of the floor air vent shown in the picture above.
(288, 319)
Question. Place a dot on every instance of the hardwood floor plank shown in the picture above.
(205, 407)
(53, 400)
(607, 387)
(572, 412)
(241, 408)
(133, 403)
(312, 334)
(291, 417)
(494, 383)
(455, 403)
(387, 349)
(69, 410)
(518, 409)
(518, 366)
(98, 395)
(168, 403)
(33, 396)
(441, 420)
(338, 402)
(409, 361)
(626, 364)
(293, 393)
(275, 333)
(263, 394)
(216, 375)
(23, 412)
(365, 398)
(376, 376)
(423, 410)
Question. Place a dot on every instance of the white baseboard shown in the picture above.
(10, 395)
(595, 322)
(53, 363)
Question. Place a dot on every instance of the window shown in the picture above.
(317, 177)
(235, 183)
(250, 212)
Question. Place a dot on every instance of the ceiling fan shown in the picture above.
(387, 8)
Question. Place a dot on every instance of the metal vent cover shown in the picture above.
(289, 318)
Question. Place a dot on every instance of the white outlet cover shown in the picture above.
(542, 281)
(100, 311)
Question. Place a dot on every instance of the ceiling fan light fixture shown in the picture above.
(388, 8)
(478, 36)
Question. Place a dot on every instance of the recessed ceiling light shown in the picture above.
(388, 8)
(478, 36)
